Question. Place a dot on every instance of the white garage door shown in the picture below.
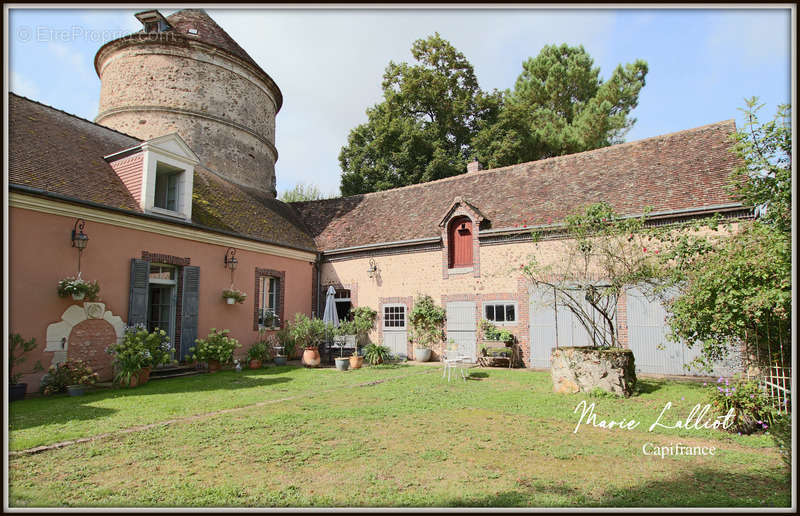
(652, 351)
(544, 336)
(461, 327)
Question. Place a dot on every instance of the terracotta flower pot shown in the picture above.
(356, 362)
(214, 366)
(255, 364)
(134, 381)
(144, 375)
(311, 357)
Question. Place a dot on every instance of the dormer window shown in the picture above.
(153, 21)
(159, 173)
(167, 187)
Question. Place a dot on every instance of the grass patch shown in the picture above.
(414, 441)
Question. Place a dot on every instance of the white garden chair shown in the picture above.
(452, 358)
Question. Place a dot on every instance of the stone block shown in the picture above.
(587, 368)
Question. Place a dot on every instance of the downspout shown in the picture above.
(317, 272)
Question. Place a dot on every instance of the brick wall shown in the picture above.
(88, 341)
(130, 171)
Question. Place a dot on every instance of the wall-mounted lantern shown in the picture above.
(230, 259)
(79, 239)
(372, 270)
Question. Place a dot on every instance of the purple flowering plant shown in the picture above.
(752, 408)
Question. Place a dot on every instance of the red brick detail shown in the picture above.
(131, 171)
(88, 341)
(167, 259)
(409, 302)
(281, 275)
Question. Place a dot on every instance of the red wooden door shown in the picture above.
(460, 238)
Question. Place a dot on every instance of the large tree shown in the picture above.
(302, 192)
(560, 105)
(423, 128)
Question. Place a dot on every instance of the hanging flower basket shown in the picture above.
(78, 289)
(232, 296)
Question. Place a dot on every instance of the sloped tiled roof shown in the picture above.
(682, 170)
(59, 153)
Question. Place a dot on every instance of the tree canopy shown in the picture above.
(423, 128)
(559, 106)
(302, 192)
(434, 117)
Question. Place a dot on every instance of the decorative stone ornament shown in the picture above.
(88, 329)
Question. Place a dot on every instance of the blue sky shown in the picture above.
(329, 62)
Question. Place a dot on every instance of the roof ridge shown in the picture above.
(553, 158)
(74, 116)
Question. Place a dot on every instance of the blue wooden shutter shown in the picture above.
(189, 309)
(137, 303)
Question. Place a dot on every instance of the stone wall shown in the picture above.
(585, 369)
(221, 107)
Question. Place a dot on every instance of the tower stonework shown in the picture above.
(185, 74)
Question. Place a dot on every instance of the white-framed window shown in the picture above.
(167, 192)
(500, 311)
(268, 309)
(394, 317)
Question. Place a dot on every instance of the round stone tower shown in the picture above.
(184, 74)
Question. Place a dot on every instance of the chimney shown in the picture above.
(473, 166)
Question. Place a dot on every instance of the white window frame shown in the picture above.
(405, 317)
(504, 304)
(264, 296)
(169, 150)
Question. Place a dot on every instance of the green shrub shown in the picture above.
(751, 405)
(492, 332)
(260, 351)
(17, 347)
(307, 332)
(217, 346)
(375, 353)
(427, 322)
(71, 372)
(286, 341)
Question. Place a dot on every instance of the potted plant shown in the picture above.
(271, 319)
(258, 354)
(78, 288)
(138, 352)
(308, 333)
(71, 376)
(216, 349)
(232, 296)
(342, 334)
(363, 322)
(376, 354)
(283, 346)
(17, 347)
(427, 324)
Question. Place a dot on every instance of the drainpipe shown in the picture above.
(316, 268)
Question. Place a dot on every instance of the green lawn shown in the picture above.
(325, 438)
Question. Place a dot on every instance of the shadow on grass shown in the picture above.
(699, 487)
(645, 386)
(62, 408)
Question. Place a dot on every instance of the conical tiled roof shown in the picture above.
(207, 31)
